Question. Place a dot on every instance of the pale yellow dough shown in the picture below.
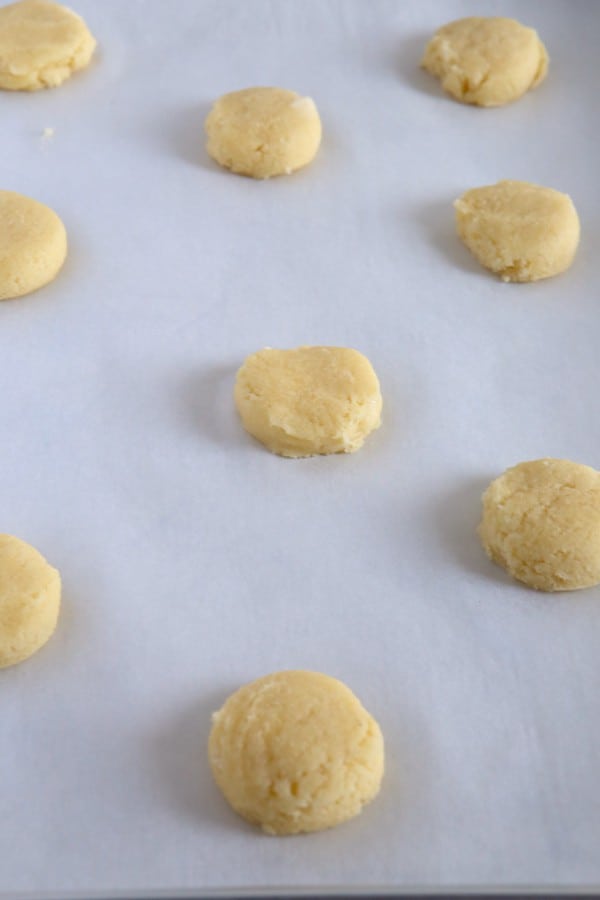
(263, 131)
(33, 245)
(309, 401)
(486, 61)
(296, 752)
(41, 45)
(29, 600)
(541, 522)
(520, 231)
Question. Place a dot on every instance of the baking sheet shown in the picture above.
(193, 560)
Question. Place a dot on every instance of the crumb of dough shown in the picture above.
(263, 131)
(41, 45)
(296, 752)
(486, 61)
(308, 401)
(29, 600)
(33, 245)
(541, 522)
(520, 231)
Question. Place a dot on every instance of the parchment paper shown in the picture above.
(192, 559)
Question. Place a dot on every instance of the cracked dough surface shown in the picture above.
(296, 752)
(520, 231)
(263, 131)
(33, 245)
(541, 522)
(308, 401)
(41, 45)
(486, 61)
(29, 600)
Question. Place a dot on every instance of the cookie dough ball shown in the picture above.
(541, 522)
(33, 245)
(263, 131)
(296, 752)
(521, 231)
(41, 45)
(29, 600)
(486, 61)
(309, 401)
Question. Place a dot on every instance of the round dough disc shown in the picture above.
(541, 522)
(29, 600)
(33, 245)
(486, 61)
(521, 231)
(263, 131)
(296, 752)
(309, 401)
(41, 45)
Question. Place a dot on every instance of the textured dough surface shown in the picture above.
(308, 401)
(296, 752)
(521, 231)
(41, 45)
(486, 61)
(29, 600)
(541, 522)
(33, 245)
(263, 131)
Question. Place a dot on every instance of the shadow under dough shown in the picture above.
(406, 56)
(207, 406)
(180, 752)
(456, 515)
(438, 222)
(187, 138)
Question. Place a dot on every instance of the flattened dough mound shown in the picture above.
(41, 45)
(309, 401)
(521, 231)
(541, 522)
(29, 600)
(263, 131)
(296, 752)
(33, 245)
(486, 61)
